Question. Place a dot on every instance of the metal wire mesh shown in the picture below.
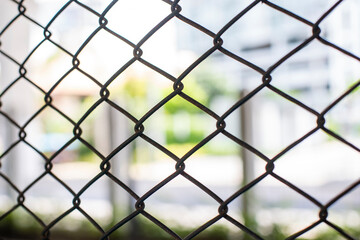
(139, 131)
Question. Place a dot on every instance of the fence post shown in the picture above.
(118, 131)
(246, 128)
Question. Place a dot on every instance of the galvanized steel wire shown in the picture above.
(139, 130)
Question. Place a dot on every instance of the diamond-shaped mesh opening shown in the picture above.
(76, 20)
(174, 59)
(104, 55)
(48, 198)
(296, 77)
(206, 165)
(184, 117)
(137, 168)
(47, 65)
(122, 18)
(108, 117)
(222, 185)
(138, 89)
(19, 29)
(309, 159)
(219, 76)
(49, 131)
(289, 122)
(259, 25)
(75, 94)
(271, 204)
(76, 156)
(182, 129)
(149, 166)
(181, 198)
(22, 155)
(26, 106)
(209, 87)
(194, 46)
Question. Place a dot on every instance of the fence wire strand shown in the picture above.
(175, 12)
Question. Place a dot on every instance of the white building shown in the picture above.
(316, 75)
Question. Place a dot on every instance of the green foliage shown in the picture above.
(214, 232)
(204, 87)
(212, 83)
(334, 235)
(19, 224)
(276, 232)
(84, 154)
(135, 88)
(135, 92)
(195, 135)
(178, 104)
(352, 84)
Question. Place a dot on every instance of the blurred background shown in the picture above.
(317, 75)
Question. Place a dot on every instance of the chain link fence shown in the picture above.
(264, 81)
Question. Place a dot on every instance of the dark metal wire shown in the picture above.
(139, 129)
